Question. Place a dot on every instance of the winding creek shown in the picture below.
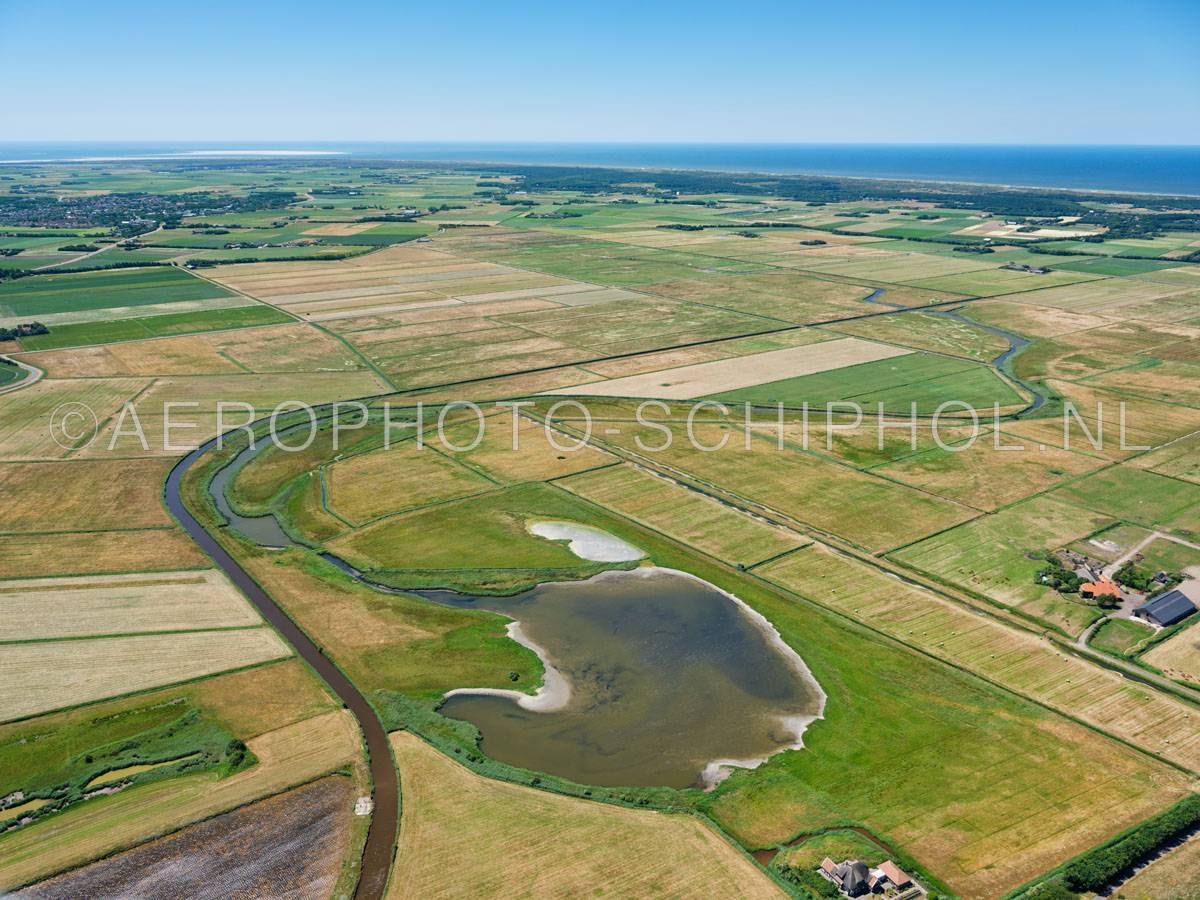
(385, 819)
(1016, 344)
(652, 677)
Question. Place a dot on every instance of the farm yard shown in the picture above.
(897, 555)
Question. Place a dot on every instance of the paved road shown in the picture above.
(105, 248)
(32, 374)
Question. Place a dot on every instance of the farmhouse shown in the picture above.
(854, 878)
(1171, 607)
(1101, 587)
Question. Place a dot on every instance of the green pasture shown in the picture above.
(922, 378)
(44, 294)
(85, 333)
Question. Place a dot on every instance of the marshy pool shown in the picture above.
(654, 677)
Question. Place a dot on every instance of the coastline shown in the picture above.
(398, 153)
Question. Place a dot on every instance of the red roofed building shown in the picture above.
(894, 874)
(1102, 587)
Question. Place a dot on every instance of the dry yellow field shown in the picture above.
(529, 456)
(1179, 655)
(1021, 662)
(985, 477)
(95, 605)
(1175, 876)
(402, 277)
(1120, 297)
(397, 478)
(343, 229)
(866, 510)
(24, 426)
(1032, 320)
(682, 514)
(82, 495)
(701, 379)
(465, 835)
(288, 756)
(1146, 422)
(273, 348)
(262, 392)
(47, 675)
(99, 552)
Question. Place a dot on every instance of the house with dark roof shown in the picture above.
(854, 878)
(1167, 609)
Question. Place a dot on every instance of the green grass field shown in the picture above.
(1121, 637)
(995, 554)
(85, 333)
(921, 378)
(45, 294)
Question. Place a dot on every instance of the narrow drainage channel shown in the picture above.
(385, 819)
(767, 855)
(1016, 343)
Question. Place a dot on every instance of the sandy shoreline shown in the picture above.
(554, 694)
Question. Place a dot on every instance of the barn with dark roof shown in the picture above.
(1171, 607)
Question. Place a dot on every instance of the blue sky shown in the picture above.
(865, 71)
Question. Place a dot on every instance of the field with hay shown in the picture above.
(52, 674)
(1014, 659)
(684, 515)
(997, 555)
(517, 837)
(99, 605)
(861, 508)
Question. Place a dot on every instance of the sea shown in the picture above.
(1137, 169)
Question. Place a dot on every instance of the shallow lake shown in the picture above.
(654, 678)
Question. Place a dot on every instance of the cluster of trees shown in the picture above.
(1142, 579)
(79, 248)
(1125, 224)
(24, 330)
(973, 248)
(1054, 574)
(1097, 868)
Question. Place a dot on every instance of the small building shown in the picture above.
(855, 879)
(1171, 607)
(891, 875)
(1101, 587)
